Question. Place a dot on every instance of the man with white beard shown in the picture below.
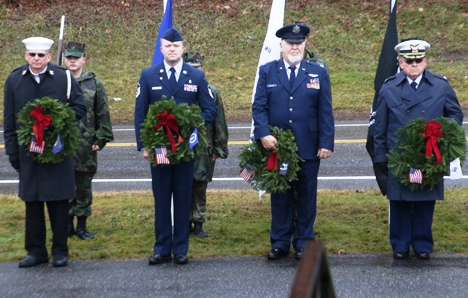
(294, 94)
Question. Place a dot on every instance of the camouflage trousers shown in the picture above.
(81, 204)
(198, 212)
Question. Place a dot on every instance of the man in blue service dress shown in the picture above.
(411, 212)
(171, 180)
(295, 94)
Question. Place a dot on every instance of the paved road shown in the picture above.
(353, 276)
(121, 166)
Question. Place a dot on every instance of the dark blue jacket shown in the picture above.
(306, 108)
(191, 88)
(398, 105)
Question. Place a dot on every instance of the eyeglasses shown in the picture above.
(40, 55)
(410, 61)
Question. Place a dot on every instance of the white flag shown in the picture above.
(455, 169)
(271, 45)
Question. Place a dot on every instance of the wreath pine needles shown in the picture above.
(63, 122)
(255, 155)
(188, 118)
(410, 151)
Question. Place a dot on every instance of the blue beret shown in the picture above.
(293, 33)
(172, 35)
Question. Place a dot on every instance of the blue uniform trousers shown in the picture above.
(410, 225)
(282, 209)
(172, 181)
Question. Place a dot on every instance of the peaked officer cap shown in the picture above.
(293, 33)
(412, 48)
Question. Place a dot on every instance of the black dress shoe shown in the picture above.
(299, 252)
(60, 261)
(400, 255)
(181, 259)
(159, 259)
(31, 260)
(83, 233)
(422, 255)
(276, 253)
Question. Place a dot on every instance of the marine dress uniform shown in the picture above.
(175, 180)
(411, 212)
(306, 109)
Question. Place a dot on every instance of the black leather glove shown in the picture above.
(14, 161)
(382, 166)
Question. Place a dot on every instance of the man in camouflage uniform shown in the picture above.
(217, 139)
(96, 131)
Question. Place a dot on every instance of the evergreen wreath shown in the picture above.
(257, 157)
(187, 117)
(62, 122)
(410, 151)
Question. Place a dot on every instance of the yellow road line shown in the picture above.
(350, 141)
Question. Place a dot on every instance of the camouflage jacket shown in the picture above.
(217, 139)
(311, 56)
(95, 126)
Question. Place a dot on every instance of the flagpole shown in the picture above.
(387, 66)
(270, 49)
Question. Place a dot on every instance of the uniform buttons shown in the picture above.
(290, 121)
(291, 98)
(407, 111)
(290, 109)
(423, 111)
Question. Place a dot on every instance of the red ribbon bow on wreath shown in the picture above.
(169, 121)
(272, 162)
(41, 122)
(432, 134)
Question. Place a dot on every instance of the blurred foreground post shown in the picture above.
(313, 277)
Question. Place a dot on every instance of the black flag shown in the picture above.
(387, 67)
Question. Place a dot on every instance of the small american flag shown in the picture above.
(33, 147)
(415, 176)
(161, 158)
(246, 172)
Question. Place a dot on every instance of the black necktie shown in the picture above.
(414, 85)
(292, 76)
(172, 78)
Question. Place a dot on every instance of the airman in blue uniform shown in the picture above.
(172, 180)
(295, 94)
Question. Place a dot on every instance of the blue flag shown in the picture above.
(166, 23)
(193, 139)
(58, 146)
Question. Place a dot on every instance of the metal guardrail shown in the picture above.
(313, 277)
